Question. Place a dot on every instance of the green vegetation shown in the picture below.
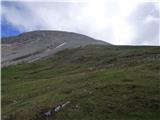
(102, 83)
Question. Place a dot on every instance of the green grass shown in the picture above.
(102, 83)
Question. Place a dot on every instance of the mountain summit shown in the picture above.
(31, 46)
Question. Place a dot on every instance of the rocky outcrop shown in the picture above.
(55, 109)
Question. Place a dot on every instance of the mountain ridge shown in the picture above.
(34, 45)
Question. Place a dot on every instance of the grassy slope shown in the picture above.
(102, 82)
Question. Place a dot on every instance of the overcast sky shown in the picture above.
(127, 22)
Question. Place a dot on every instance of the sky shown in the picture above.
(120, 22)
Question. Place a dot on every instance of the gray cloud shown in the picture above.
(124, 22)
(145, 20)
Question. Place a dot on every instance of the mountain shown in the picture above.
(94, 82)
(31, 46)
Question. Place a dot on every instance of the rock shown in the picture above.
(63, 105)
(56, 109)
(77, 106)
(48, 113)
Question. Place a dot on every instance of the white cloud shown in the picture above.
(102, 19)
(150, 19)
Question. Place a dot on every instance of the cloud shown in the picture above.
(145, 20)
(113, 21)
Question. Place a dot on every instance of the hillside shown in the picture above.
(32, 46)
(101, 82)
